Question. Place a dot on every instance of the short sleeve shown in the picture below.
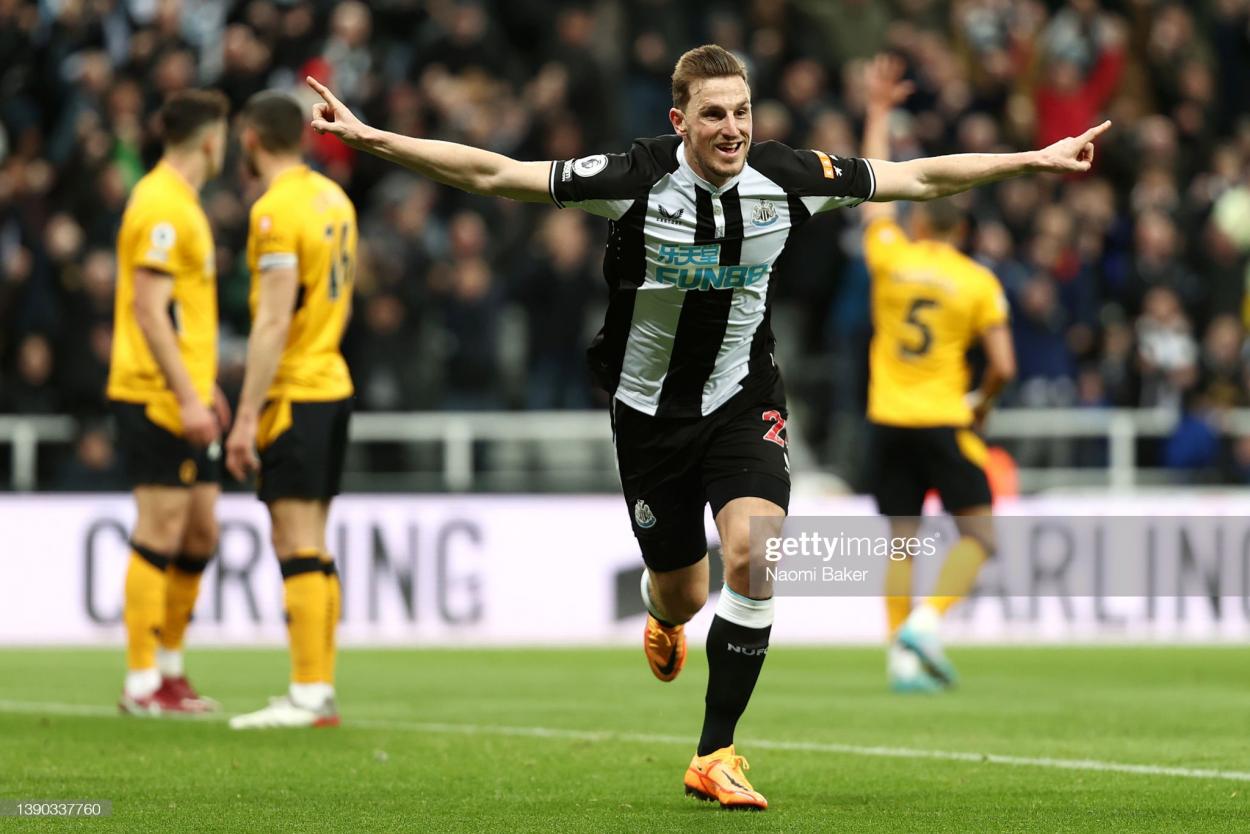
(274, 237)
(823, 181)
(605, 184)
(992, 309)
(883, 241)
(158, 242)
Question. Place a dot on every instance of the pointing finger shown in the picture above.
(1096, 131)
(323, 91)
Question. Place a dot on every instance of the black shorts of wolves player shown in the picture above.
(908, 462)
(302, 448)
(672, 467)
(154, 456)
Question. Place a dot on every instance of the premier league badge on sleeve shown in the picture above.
(588, 166)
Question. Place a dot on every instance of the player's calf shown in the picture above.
(671, 599)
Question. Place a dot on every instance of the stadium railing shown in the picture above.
(571, 450)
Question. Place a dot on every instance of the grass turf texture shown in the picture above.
(1182, 707)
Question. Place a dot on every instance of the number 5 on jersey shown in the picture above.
(924, 331)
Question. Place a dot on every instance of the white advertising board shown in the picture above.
(500, 570)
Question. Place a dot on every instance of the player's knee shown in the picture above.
(736, 553)
(161, 531)
(979, 528)
(682, 602)
(201, 536)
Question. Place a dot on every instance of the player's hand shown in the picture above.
(221, 407)
(199, 424)
(981, 406)
(978, 421)
(332, 116)
(241, 460)
(1074, 154)
(884, 86)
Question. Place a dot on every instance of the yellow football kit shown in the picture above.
(304, 221)
(930, 304)
(164, 229)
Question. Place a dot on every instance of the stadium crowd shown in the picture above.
(1128, 286)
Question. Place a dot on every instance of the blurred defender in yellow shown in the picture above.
(162, 388)
(296, 398)
(930, 304)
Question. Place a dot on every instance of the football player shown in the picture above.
(930, 304)
(297, 393)
(169, 413)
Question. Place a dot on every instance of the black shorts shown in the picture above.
(154, 456)
(672, 467)
(908, 462)
(305, 459)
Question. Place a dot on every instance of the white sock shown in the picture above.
(744, 611)
(924, 618)
(310, 695)
(169, 661)
(140, 683)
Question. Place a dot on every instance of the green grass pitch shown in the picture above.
(554, 740)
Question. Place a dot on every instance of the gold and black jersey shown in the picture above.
(164, 229)
(930, 304)
(304, 221)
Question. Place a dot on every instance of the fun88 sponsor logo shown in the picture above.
(697, 267)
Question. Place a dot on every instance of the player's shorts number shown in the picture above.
(924, 332)
(340, 262)
(773, 435)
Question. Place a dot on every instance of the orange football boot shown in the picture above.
(719, 777)
(665, 648)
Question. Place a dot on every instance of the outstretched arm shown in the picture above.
(941, 176)
(460, 166)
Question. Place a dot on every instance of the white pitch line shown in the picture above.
(100, 711)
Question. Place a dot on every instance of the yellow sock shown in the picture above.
(182, 588)
(144, 606)
(304, 587)
(334, 609)
(897, 594)
(959, 573)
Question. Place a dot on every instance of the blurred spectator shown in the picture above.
(1166, 351)
(94, 466)
(555, 290)
(30, 389)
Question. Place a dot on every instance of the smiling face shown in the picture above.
(716, 127)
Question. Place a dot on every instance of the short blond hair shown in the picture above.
(701, 63)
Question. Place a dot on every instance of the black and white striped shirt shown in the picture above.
(688, 264)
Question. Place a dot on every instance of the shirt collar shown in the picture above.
(288, 172)
(688, 172)
(180, 182)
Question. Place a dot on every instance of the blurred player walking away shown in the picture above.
(169, 413)
(297, 393)
(930, 304)
(697, 221)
